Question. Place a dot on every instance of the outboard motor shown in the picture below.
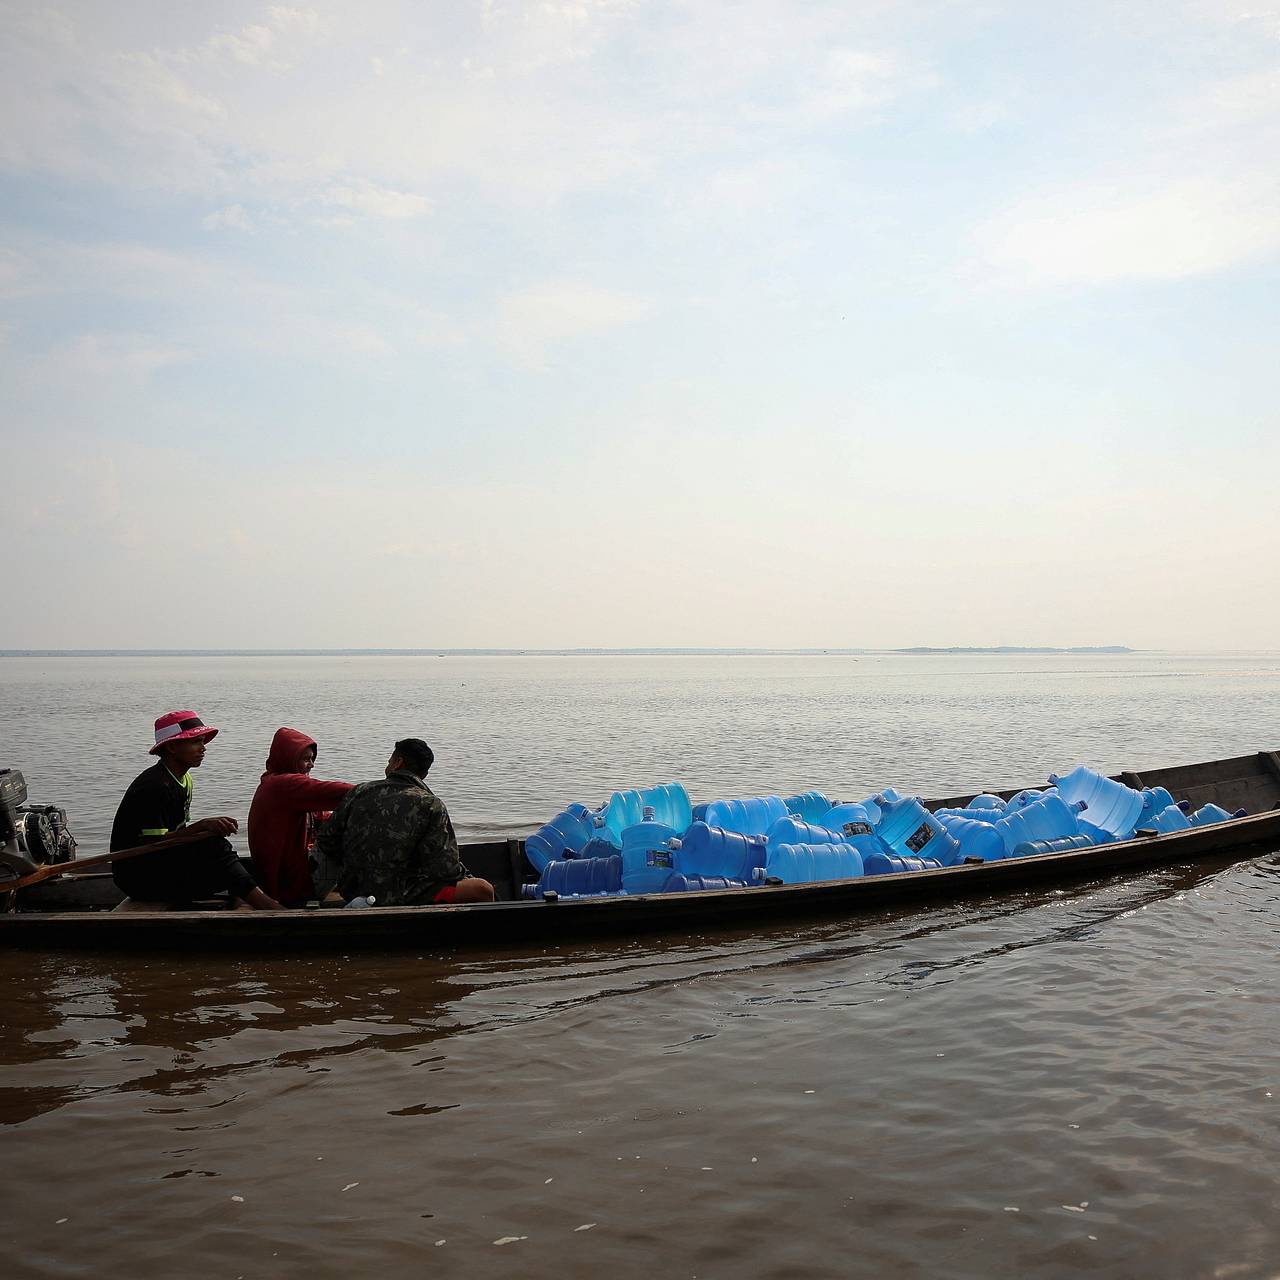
(30, 834)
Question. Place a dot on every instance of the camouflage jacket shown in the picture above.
(391, 838)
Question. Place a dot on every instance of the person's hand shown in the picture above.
(216, 826)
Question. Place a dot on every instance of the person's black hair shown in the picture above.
(417, 756)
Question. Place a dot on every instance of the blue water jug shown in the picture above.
(791, 830)
(974, 839)
(970, 814)
(907, 829)
(670, 804)
(795, 830)
(1109, 804)
(564, 836)
(598, 847)
(647, 857)
(677, 882)
(1154, 799)
(811, 863)
(747, 817)
(1098, 835)
(1047, 818)
(850, 820)
(579, 878)
(986, 801)
(1210, 813)
(623, 809)
(1062, 844)
(886, 864)
(809, 806)
(712, 851)
(1030, 796)
(602, 834)
(1171, 818)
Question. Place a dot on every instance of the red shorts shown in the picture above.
(447, 894)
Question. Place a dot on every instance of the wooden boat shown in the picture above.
(74, 911)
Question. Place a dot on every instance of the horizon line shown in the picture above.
(447, 651)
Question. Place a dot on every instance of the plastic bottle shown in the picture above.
(751, 817)
(598, 847)
(564, 836)
(792, 830)
(850, 819)
(907, 829)
(989, 816)
(1154, 799)
(1062, 844)
(678, 882)
(986, 801)
(1024, 798)
(812, 863)
(647, 856)
(358, 904)
(1109, 804)
(580, 877)
(872, 805)
(974, 839)
(884, 864)
(1098, 835)
(671, 805)
(623, 809)
(809, 806)
(1171, 818)
(1047, 818)
(712, 851)
(1210, 813)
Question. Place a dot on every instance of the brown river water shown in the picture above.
(1082, 1080)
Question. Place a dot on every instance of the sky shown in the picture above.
(627, 324)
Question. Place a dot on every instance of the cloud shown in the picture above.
(531, 321)
(234, 217)
(379, 202)
(259, 44)
(1099, 234)
(115, 357)
(17, 275)
(1179, 187)
(383, 109)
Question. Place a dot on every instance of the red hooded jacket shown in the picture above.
(279, 826)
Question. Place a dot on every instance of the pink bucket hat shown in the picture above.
(178, 726)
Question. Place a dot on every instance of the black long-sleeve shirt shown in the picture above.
(156, 805)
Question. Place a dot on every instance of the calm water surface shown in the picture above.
(1040, 1085)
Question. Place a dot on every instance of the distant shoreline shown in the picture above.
(535, 653)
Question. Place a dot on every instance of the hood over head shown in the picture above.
(286, 751)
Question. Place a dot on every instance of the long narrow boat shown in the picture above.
(74, 911)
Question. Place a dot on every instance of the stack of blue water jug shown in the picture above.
(654, 840)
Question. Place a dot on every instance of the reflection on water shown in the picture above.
(1039, 1085)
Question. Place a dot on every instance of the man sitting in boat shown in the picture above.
(283, 815)
(158, 803)
(392, 841)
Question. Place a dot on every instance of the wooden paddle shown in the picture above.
(50, 870)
